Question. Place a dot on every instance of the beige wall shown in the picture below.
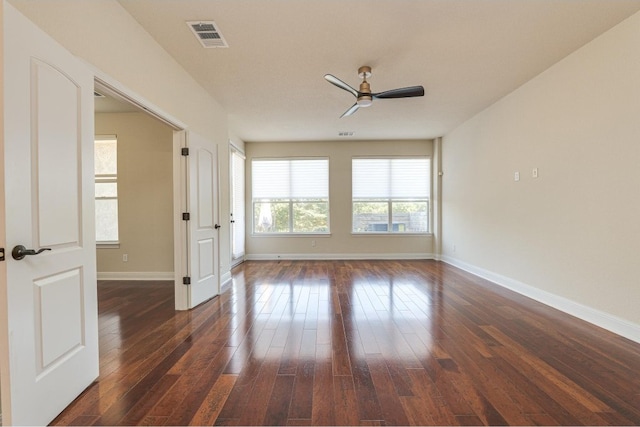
(145, 195)
(570, 236)
(340, 243)
(104, 35)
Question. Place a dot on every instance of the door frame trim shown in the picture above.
(109, 86)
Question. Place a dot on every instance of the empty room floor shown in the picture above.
(353, 343)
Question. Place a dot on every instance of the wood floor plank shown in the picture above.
(153, 421)
(210, 408)
(280, 401)
(341, 359)
(142, 407)
(440, 411)
(577, 402)
(302, 398)
(368, 405)
(299, 422)
(353, 343)
(386, 393)
(256, 406)
(237, 400)
(323, 411)
(345, 401)
(187, 408)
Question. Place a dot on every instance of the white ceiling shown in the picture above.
(466, 53)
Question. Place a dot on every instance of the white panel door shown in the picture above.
(51, 335)
(203, 225)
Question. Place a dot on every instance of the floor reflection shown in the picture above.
(352, 343)
(381, 315)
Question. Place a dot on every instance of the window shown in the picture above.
(106, 171)
(290, 195)
(391, 195)
(237, 205)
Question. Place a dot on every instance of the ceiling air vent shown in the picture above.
(207, 33)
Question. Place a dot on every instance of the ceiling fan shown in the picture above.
(364, 96)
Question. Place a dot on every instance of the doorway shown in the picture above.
(134, 192)
(237, 162)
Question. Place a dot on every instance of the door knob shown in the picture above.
(20, 252)
(217, 226)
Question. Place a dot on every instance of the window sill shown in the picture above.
(107, 245)
(386, 233)
(314, 235)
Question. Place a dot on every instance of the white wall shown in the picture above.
(341, 243)
(109, 39)
(570, 237)
(3, 240)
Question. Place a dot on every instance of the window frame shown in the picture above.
(290, 202)
(108, 179)
(390, 201)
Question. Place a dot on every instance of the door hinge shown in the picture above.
(185, 151)
(186, 280)
(1, 254)
(186, 216)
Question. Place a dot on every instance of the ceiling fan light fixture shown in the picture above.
(364, 101)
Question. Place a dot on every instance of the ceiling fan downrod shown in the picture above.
(364, 96)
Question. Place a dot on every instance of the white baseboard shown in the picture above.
(320, 257)
(599, 318)
(135, 275)
(225, 280)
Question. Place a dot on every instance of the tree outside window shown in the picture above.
(391, 195)
(290, 196)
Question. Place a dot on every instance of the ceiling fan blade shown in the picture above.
(351, 110)
(342, 85)
(405, 92)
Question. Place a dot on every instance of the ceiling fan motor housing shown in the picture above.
(364, 98)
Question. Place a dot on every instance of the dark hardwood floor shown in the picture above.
(353, 343)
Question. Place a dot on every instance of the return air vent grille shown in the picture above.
(207, 33)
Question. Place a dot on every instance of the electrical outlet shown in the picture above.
(125, 257)
(313, 243)
(534, 173)
(516, 176)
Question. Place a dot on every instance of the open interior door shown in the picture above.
(49, 328)
(202, 225)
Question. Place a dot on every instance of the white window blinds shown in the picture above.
(398, 178)
(290, 179)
